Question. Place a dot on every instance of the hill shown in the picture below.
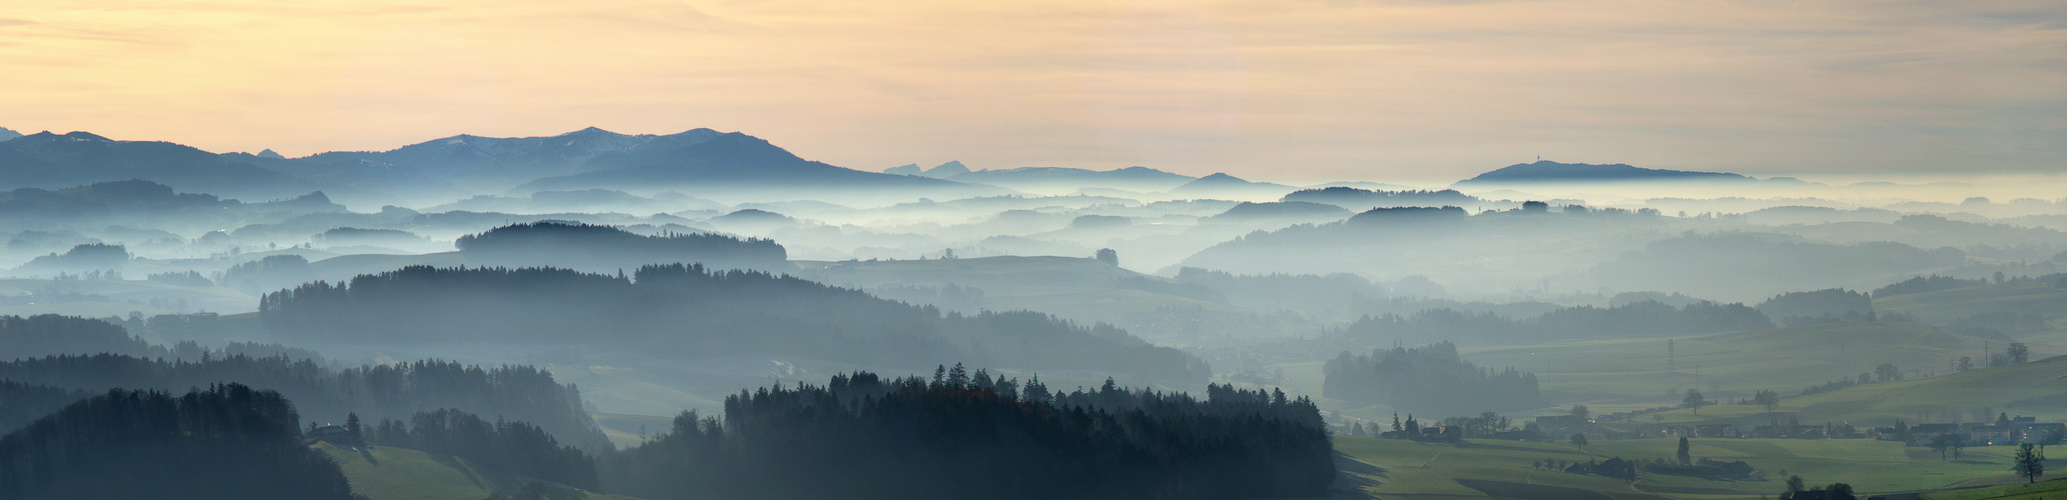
(1078, 289)
(735, 166)
(374, 392)
(225, 442)
(1544, 171)
(1393, 468)
(605, 249)
(1485, 251)
(456, 166)
(2030, 389)
(689, 311)
(1788, 360)
(1283, 210)
(1753, 266)
(2043, 298)
(1229, 187)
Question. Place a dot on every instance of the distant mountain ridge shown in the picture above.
(1545, 171)
(51, 161)
(1052, 180)
(462, 163)
(1221, 185)
(706, 162)
(700, 161)
(6, 134)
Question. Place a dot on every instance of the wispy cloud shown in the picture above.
(1415, 91)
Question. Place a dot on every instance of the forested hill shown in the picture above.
(50, 334)
(689, 311)
(1428, 380)
(606, 249)
(227, 442)
(972, 436)
(374, 392)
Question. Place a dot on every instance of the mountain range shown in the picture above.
(51, 161)
(697, 162)
(724, 166)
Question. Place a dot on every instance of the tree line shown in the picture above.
(959, 435)
(223, 442)
(48, 334)
(1428, 380)
(973, 436)
(689, 310)
(381, 391)
(508, 446)
(603, 248)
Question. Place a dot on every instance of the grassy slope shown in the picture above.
(1618, 375)
(2034, 389)
(1427, 470)
(1786, 359)
(2053, 488)
(388, 473)
(1943, 306)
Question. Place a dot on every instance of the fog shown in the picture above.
(632, 299)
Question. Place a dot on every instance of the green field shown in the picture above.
(388, 473)
(1406, 469)
(1944, 306)
(1631, 374)
(2053, 488)
(2030, 389)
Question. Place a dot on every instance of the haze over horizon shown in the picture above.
(1408, 92)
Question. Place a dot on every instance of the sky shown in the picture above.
(1417, 91)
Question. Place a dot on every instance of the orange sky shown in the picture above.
(1290, 90)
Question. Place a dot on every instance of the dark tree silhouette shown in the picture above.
(604, 248)
(224, 442)
(507, 446)
(48, 334)
(1109, 257)
(687, 310)
(382, 391)
(864, 437)
(2028, 464)
(1429, 379)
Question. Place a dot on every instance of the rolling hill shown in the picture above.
(2043, 298)
(1079, 289)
